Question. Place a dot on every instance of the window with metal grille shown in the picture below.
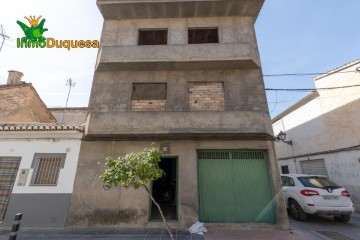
(47, 168)
(203, 35)
(153, 37)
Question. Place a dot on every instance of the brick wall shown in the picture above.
(148, 105)
(206, 96)
(21, 103)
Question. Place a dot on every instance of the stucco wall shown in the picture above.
(231, 29)
(245, 103)
(42, 206)
(25, 145)
(329, 122)
(91, 205)
(70, 116)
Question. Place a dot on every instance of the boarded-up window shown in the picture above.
(148, 97)
(208, 96)
(203, 35)
(47, 169)
(153, 37)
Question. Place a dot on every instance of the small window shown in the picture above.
(153, 37)
(149, 91)
(203, 35)
(47, 168)
(285, 169)
(148, 97)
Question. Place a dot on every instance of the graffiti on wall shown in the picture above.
(345, 170)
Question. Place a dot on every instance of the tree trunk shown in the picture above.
(162, 215)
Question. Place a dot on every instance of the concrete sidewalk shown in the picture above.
(149, 234)
(232, 234)
(100, 233)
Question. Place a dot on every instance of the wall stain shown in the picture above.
(107, 217)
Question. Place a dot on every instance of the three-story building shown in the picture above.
(185, 75)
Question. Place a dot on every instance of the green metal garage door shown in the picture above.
(234, 187)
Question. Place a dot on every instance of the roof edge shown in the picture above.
(314, 94)
(338, 69)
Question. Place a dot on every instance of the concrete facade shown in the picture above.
(70, 116)
(115, 127)
(324, 126)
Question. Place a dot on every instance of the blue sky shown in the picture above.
(305, 36)
(294, 36)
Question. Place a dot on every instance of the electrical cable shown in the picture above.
(276, 102)
(301, 74)
(309, 89)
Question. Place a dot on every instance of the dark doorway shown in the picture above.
(164, 190)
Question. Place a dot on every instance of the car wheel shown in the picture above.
(343, 218)
(296, 212)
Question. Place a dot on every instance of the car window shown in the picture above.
(291, 182)
(287, 181)
(317, 182)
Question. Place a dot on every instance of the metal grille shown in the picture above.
(47, 171)
(315, 167)
(8, 172)
(214, 155)
(231, 154)
(248, 155)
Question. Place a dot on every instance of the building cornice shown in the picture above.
(25, 127)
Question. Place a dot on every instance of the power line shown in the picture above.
(303, 74)
(276, 102)
(309, 89)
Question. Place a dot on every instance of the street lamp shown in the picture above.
(281, 137)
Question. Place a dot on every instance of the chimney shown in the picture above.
(14, 77)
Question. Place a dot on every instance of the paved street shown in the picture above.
(316, 228)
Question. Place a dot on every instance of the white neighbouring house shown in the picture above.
(38, 161)
(324, 128)
(39, 149)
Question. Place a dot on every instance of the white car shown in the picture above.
(315, 194)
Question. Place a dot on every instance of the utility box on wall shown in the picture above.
(23, 177)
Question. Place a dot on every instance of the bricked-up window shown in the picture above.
(148, 97)
(203, 35)
(47, 168)
(206, 96)
(153, 37)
